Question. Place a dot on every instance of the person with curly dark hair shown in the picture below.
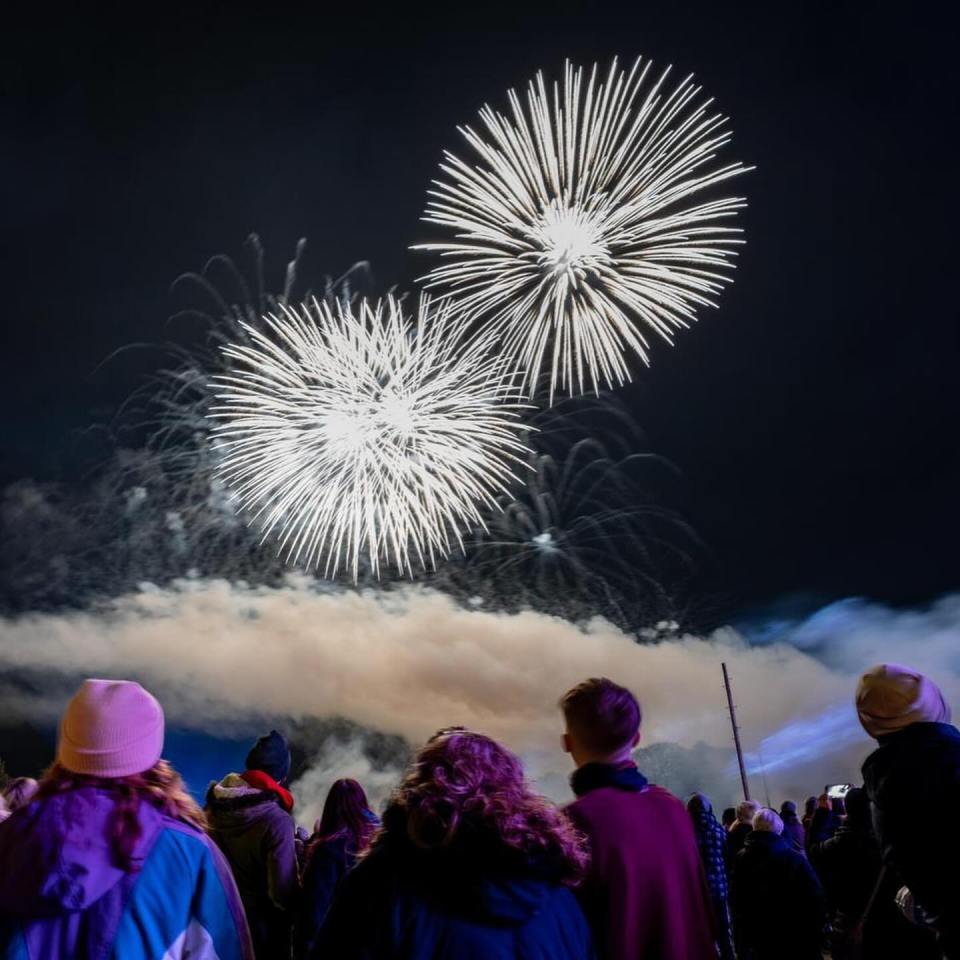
(469, 864)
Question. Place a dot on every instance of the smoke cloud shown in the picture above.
(410, 661)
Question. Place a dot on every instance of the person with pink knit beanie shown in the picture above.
(111, 858)
(913, 780)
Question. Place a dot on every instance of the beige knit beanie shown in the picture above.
(891, 697)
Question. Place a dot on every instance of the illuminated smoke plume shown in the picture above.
(410, 661)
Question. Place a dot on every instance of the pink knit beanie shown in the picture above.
(111, 728)
(891, 697)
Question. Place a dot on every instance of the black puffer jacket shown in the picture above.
(256, 835)
(912, 776)
(779, 911)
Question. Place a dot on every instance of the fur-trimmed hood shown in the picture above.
(235, 804)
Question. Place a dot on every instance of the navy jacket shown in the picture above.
(404, 903)
(779, 911)
(912, 776)
(327, 865)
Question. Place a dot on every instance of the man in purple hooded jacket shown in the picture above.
(645, 894)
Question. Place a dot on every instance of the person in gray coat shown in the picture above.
(250, 819)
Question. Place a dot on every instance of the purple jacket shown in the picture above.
(645, 894)
(62, 896)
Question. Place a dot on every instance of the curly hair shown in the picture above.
(160, 786)
(464, 785)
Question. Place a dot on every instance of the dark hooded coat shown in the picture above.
(779, 912)
(476, 900)
(256, 835)
(913, 774)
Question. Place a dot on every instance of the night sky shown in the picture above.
(813, 416)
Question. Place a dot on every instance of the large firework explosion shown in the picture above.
(584, 535)
(353, 431)
(587, 221)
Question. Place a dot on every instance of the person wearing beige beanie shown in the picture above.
(110, 858)
(891, 697)
(911, 779)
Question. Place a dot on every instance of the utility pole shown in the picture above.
(736, 733)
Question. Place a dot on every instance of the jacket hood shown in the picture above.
(507, 893)
(478, 878)
(56, 856)
(233, 804)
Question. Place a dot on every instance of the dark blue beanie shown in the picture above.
(271, 754)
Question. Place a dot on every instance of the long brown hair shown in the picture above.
(160, 786)
(346, 811)
(462, 782)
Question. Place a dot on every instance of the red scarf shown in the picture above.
(262, 781)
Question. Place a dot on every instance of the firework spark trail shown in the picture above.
(578, 230)
(352, 431)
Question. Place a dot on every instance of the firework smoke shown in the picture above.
(412, 661)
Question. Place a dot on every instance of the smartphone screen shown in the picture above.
(837, 790)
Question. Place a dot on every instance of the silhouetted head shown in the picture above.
(859, 815)
(602, 721)
(271, 755)
(346, 812)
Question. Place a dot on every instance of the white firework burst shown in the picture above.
(354, 430)
(584, 225)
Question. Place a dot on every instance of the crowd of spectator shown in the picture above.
(108, 856)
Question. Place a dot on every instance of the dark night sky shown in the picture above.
(814, 415)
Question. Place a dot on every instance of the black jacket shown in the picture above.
(849, 865)
(778, 905)
(476, 902)
(735, 840)
(913, 776)
(327, 864)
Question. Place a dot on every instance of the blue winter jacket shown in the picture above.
(473, 903)
(62, 896)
